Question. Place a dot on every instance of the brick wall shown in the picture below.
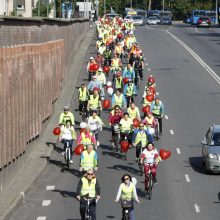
(35, 57)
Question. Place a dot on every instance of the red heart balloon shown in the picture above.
(106, 69)
(125, 80)
(119, 36)
(152, 90)
(56, 131)
(124, 146)
(150, 98)
(146, 109)
(136, 122)
(96, 66)
(151, 79)
(165, 154)
(106, 103)
(79, 149)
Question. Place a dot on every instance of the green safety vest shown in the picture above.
(118, 83)
(143, 138)
(132, 113)
(130, 90)
(118, 100)
(127, 192)
(126, 125)
(88, 160)
(93, 102)
(156, 109)
(88, 188)
(83, 94)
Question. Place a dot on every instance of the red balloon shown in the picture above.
(119, 36)
(96, 89)
(151, 79)
(106, 69)
(106, 103)
(79, 149)
(136, 122)
(124, 146)
(165, 154)
(152, 89)
(150, 98)
(96, 66)
(113, 31)
(56, 131)
(82, 130)
(146, 109)
(125, 80)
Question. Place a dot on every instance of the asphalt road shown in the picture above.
(191, 98)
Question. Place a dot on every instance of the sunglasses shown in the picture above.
(127, 178)
(90, 174)
(117, 109)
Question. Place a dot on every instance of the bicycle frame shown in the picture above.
(87, 209)
(67, 154)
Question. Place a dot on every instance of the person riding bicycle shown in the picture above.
(129, 72)
(133, 111)
(67, 136)
(118, 82)
(127, 193)
(94, 83)
(116, 63)
(138, 66)
(118, 49)
(157, 108)
(86, 137)
(150, 120)
(83, 96)
(101, 78)
(88, 186)
(95, 124)
(126, 126)
(99, 59)
(119, 99)
(66, 115)
(88, 159)
(142, 137)
(107, 54)
(129, 92)
(150, 158)
(145, 102)
(90, 63)
(94, 102)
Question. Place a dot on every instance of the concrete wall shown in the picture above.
(35, 58)
(6, 7)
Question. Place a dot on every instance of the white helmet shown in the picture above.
(83, 125)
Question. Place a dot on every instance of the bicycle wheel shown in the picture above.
(116, 142)
(68, 157)
(84, 116)
(157, 132)
(125, 155)
(126, 215)
(150, 186)
(141, 167)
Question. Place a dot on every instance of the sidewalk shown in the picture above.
(38, 159)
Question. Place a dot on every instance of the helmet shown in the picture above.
(66, 108)
(118, 74)
(130, 81)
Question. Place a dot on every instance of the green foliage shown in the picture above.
(41, 8)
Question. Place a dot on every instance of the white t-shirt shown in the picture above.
(149, 156)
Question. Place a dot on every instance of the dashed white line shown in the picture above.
(41, 218)
(187, 178)
(148, 69)
(166, 117)
(171, 132)
(46, 202)
(178, 150)
(197, 208)
(146, 64)
(157, 93)
(50, 187)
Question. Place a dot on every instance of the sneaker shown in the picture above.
(102, 98)
(113, 145)
(63, 153)
(71, 161)
(98, 143)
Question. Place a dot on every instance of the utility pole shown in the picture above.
(216, 11)
(163, 5)
(39, 3)
(104, 7)
(131, 4)
(149, 5)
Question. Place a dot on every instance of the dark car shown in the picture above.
(204, 22)
(166, 20)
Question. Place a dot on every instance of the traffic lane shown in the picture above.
(180, 90)
(204, 41)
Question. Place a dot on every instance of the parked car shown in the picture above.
(128, 18)
(138, 20)
(153, 20)
(166, 20)
(211, 149)
(204, 22)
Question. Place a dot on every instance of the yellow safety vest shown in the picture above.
(133, 113)
(118, 100)
(118, 83)
(86, 140)
(88, 160)
(115, 63)
(130, 90)
(88, 188)
(83, 94)
(126, 125)
(94, 102)
(156, 109)
(127, 192)
(141, 137)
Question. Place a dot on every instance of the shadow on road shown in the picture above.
(110, 216)
(218, 202)
(197, 164)
(65, 193)
(113, 154)
(55, 146)
(105, 147)
(125, 168)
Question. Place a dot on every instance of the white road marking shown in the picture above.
(178, 150)
(197, 208)
(148, 69)
(187, 178)
(166, 117)
(146, 64)
(171, 132)
(46, 202)
(196, 56)
(41, 218)
(157, 93)
(196, 29)
(50, 187)
(144, 58)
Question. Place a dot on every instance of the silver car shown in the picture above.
(138, 20)
(211, 149)
(153, 20)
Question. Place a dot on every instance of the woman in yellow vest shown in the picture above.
(133, 111)
(127, 194)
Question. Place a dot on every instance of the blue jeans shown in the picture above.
(64, 141)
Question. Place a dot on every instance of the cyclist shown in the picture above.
(94, 83)
(127, 192)
(115, 117)
(157, 108)
(141, 139)
(107, 56)
(88, 159)
(83, 96)
(118, 49)
(67, 135)
(116, 64)
(94, 102)
(101, 49)
(150, 158)
(138, 66)
(88, 185)
(129, 92)
(86, 137)
(101, 78)
(133, 111)
(129, 72)
(118, 82)
(99, 59)
(90, 63)
(119, 99)
(66, 115)
(126, 126)
(95, 124)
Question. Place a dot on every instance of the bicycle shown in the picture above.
(67, 154)
(126, 209)
(84, 112)
(140, 165)
(88, 201)
(117, 136)
(150, 184)
(125, 137)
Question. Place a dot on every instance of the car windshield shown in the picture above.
(137, 17)
(152, 18)
(199, 13)
(216, 139)
(204, 18)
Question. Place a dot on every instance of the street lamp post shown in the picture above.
(163, 5)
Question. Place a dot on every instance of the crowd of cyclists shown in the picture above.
(114, 79)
